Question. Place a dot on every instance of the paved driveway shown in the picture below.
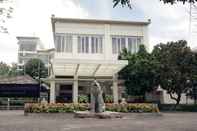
(16, 121)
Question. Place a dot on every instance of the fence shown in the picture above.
(15, 103)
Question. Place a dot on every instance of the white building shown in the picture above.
(87, 49)
(31, 47)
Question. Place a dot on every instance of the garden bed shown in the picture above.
(70, 107)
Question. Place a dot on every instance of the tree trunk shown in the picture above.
(177, 101)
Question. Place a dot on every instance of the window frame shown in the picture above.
(65, 43)
(118, 47)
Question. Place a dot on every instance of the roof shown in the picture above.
(27, 37)
(87, 68)
(74, 20)
(26, 79)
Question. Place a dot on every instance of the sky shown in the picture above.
(32, 18)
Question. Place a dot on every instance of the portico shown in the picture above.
(72, 71)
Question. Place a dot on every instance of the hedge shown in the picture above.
(181, 107)
(69, 107)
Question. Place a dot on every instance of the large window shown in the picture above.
(118, 44)
(90, 44)
(131, 43)
(96, 44)
(83, 44)
(63, 43)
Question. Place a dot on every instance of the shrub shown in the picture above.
(83, 99)
(54, 108)
(108, 99)
(137, 107)
(181, 107)
(70, 107)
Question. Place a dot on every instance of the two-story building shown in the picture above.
(30, 47)
(88, 49)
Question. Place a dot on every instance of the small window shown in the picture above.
(96, 44)
(118, 44)
(83, 44)
(133, 44)
(63, 43)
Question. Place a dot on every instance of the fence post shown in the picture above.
(8, 104)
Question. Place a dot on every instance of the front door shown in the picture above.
(65, 94)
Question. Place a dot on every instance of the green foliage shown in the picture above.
(137, 107)
(67, 108)
(141, 73)
(181, 107)
(4, 69)
(7, 70)
(54, 108)
(36, 69)
(108, 98)
(178, 68)
(83, 99)
(128, 2)
(122, 2)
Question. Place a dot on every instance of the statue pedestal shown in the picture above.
(103, 115)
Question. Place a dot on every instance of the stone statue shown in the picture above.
(97, 102)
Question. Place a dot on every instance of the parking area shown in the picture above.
(16, 121)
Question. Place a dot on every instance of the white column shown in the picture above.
(75, 90)
(107, 45)
(52, 92)
(115, 89)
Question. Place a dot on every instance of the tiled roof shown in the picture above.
(17, 80)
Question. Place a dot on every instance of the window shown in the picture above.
(96, 44)
(131, 43)
(27, 46)
(83, 44)
(63, 43)
(118, 44)
(90, 44)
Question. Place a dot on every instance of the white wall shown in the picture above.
(107, 30)
(168, 100)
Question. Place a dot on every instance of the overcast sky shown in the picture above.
(32, 18)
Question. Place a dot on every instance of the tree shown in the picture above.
(36, 69)
(178, 67)
(5, 13)
(4, 69)
(9, 70)
(141, 73)
(13, 70)
(128, 2)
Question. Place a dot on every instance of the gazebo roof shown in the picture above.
(26, 79)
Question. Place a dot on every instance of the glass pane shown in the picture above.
(87, 44)
(119, 45)
(62, 44)
(58, 43)
(123, 43)
(134, 45)
(79, 44)
(114, 46)
(101, 45)
(92, 44)
(96, 45)
(130, 44)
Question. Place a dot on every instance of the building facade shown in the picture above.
(87, 49)
(29, 48)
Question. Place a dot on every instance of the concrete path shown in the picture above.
(16, 121)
